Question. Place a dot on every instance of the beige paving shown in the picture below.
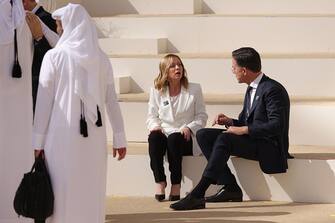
(144, 209)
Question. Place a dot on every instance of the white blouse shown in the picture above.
(188, 110)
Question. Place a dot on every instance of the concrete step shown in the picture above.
(300, 74)
(314, 172)
(154, 7)
(315, 152)
(136, 46)
(229, 99)
(216, 34)
(309, 122)
(273, 7)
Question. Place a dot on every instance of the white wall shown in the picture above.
(51, 5)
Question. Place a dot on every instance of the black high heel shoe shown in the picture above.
(160, 197)
(174, 197)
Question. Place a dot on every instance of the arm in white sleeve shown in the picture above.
(50, 35)
(200, 117)
(114, 114)
(44, 103)
(153, 120)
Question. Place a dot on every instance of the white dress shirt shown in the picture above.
(254, 86)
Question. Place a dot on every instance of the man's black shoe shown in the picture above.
(189, 203)
(225, 195)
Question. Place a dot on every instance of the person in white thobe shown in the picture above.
(76, 77)
(15, 107)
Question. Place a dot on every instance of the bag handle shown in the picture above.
(39, 163)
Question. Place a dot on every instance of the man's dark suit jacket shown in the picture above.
(268, 124)
(40, 48)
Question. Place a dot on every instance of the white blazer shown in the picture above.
(190, 112)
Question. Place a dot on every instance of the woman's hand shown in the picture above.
(121, 151)
(186, 132)
(156, 129)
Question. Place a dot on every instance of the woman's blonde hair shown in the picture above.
(161, 81)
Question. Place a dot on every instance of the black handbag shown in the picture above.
(34, 197)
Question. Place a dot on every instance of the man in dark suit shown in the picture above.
(41, 44)
(260, 133)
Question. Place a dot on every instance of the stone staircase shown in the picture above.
(297, 48)
(307, 125)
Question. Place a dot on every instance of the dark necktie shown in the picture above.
(248, 101)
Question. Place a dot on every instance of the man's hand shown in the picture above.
(243, 130)
(186, 132)
(121, 151)
(222, 119)
(37, 152)
(34, 26)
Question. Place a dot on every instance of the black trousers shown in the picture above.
(39, 221)
(217, 146)
(175, 146)
(35, 82)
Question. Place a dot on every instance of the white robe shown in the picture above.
(50, 35)
(77, 165)
(16, 156)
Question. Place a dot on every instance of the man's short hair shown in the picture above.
(249, 58)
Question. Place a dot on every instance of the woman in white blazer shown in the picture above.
(176, 112)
